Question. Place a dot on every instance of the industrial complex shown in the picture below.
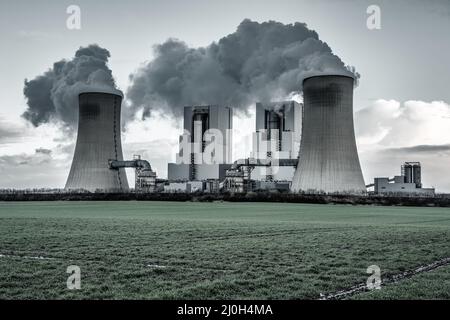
(410, 181)
(300, 148)
(205, 149)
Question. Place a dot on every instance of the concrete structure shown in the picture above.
(184, 172)
(212, 186)
(184, 187)
(238, 177)
(144, 177)
(409, 183)
(176, 187)
(206, 146)
(328, 159)
(179, 171)
(281, 186)
(398, 186)
(235, 181)
(98, 142)
(277, 136)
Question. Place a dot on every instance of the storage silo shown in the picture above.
(328, 158)
(412, 172)
(98, 141)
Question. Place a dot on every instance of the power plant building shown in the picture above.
(277, 136)
(409, 182)
(328, 161)
(98, 142)
(205, 146)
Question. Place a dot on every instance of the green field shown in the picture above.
(168, 250)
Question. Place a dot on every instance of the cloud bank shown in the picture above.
(390, 132)
(390, 123)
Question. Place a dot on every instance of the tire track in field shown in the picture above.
(420, 222)
(338, 295)
(136, 263)
(25, 257)
(359, 288)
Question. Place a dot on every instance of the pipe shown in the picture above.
(252, 162)
(143, 164)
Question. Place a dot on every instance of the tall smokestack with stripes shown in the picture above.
(98, 141)
(328, 159)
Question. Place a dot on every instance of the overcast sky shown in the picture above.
(402, 110)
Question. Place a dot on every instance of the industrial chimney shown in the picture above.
(328, 159)
(98, 141)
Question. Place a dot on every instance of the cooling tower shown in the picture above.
(328, 159)
(98, 141)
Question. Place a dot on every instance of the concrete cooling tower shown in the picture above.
(98, 141)
(328, 159)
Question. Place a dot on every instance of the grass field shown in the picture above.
(167, 250)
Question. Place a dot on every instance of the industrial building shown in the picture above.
(184, 187)
(328, 160)
(208, 186)
(277, 136)
(276, 144)
(409, 182)
(205, 146)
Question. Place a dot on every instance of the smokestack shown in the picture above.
(98, 141)
(328, 159)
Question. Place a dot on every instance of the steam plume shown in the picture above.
(52, 96)
(259, 62)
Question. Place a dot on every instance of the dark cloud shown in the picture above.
(44, 151)
(258, 62)
(422, 149)
(52, 96)
(40, 156)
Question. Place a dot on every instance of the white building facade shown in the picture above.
(277, 136)
(205, 146)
